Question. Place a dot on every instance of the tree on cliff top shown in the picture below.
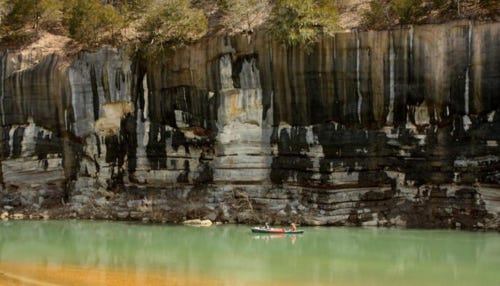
(408, 11)
(92, 22)
(172, 24)
(18, 13)
(244, 15)
(22, 18)
(378, 16)
(384, 14)
(131, 9)
(301, 22)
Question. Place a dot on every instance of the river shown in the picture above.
(49, 253)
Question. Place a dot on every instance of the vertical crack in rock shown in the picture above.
(467, 72)
(392, 56)
(358, 75)
(95, 94)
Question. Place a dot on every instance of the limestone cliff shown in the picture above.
(393, 127)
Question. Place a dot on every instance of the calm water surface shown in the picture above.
(111, 253)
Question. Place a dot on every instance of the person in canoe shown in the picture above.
(266, 229)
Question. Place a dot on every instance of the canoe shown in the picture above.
(275, 230)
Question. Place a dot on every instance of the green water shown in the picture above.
(234, 256)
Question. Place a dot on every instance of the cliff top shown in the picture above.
(68, 26)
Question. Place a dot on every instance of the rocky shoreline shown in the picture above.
(447, 207)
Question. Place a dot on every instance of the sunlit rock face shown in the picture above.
(393, 127)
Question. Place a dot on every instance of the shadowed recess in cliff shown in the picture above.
(37, 93)
(182, 106)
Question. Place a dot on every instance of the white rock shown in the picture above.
(17, 216)
(198, 222)
(370, 223)
(397, 221)
(101, 202)
(45, 215)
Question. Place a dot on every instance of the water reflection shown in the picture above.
(266, 237)
(118, 253)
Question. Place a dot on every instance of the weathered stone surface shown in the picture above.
(387, 128)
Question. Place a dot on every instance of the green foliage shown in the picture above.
(138, 5)
(407, 10)
(91, 22)
(377, 17)
(130, 9)
(383, 14)
(441, 4)
(302, 22)
(171, 25)
(18, 13)
(243, 15)
(51, 13)
(50, 7)
(164, 24)
(21, 19)
(449, 9)
(446, 8)
(492, 7)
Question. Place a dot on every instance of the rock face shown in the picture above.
(365, 128)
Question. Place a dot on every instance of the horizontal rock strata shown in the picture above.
(379, 128)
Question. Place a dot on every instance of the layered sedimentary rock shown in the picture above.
(364, 128)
